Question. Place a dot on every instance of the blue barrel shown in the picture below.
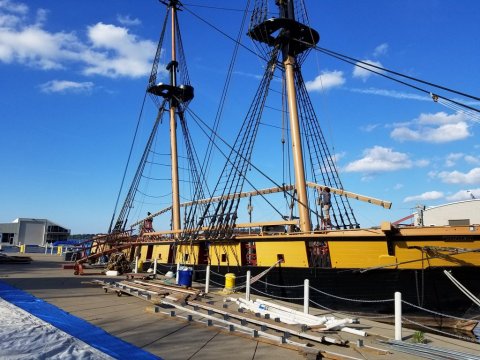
(185, 277)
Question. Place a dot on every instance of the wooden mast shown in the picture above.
(289, 62)
(176, 225)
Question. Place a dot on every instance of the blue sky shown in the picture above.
(74, 73)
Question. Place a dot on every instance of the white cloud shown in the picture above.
(457, 177)
(41, 17)
(441, 118)
(432, 174)
(16, 8)
(116, 53)
(465, 195)
(251, 75)
(433, 128)
(326, 80)
(381, 49)
(422, 162)
(452, 159)
(398, 186)
(426, 196)
(392, 94)
(380, 159)
(110, 50)
(369, 127)
(472, 159)
(367, 178)
(412, 96)
(7, 20)
(127, 20)
(364, 71)
(336, 157)
(63, 86)
(35, 47)
(333, 159)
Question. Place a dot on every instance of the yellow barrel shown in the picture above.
(59, 250)
(229, 281)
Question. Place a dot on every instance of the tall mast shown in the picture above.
(172, 67)
(292, 38)
(289, 63)
(177, 97)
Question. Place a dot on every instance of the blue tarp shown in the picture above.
(79, 328)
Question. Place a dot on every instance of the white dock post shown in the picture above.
(247, 289)
(155, 268)
(51, 249)
(207, 279)
(306, 296)
(136, 265)
(46, 248)
(177, 275)
(398, 316)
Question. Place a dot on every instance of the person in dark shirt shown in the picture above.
(326, 204)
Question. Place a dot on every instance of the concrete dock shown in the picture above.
(140, 323)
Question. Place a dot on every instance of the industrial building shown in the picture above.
(457, 213)
(30, 231)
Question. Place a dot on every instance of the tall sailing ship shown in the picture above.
(341, 259)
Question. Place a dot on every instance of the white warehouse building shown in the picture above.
(457, 213)
(31, 231)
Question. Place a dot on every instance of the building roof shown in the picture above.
(451, 204)
(49, 222)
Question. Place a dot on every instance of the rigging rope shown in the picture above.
(225, 89)
(462, 288)
(223, 217)
(367, 67)
(224, 33)
(128, 162)
(202, 124)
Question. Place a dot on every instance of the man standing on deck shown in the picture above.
(147, 224)
(325, 201)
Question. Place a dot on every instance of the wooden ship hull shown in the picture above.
(344, 265)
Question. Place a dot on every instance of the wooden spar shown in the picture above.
(173, 128)
(371, 200)
(273, 190)
(224, 197)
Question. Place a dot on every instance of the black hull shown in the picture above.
(429, 288)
